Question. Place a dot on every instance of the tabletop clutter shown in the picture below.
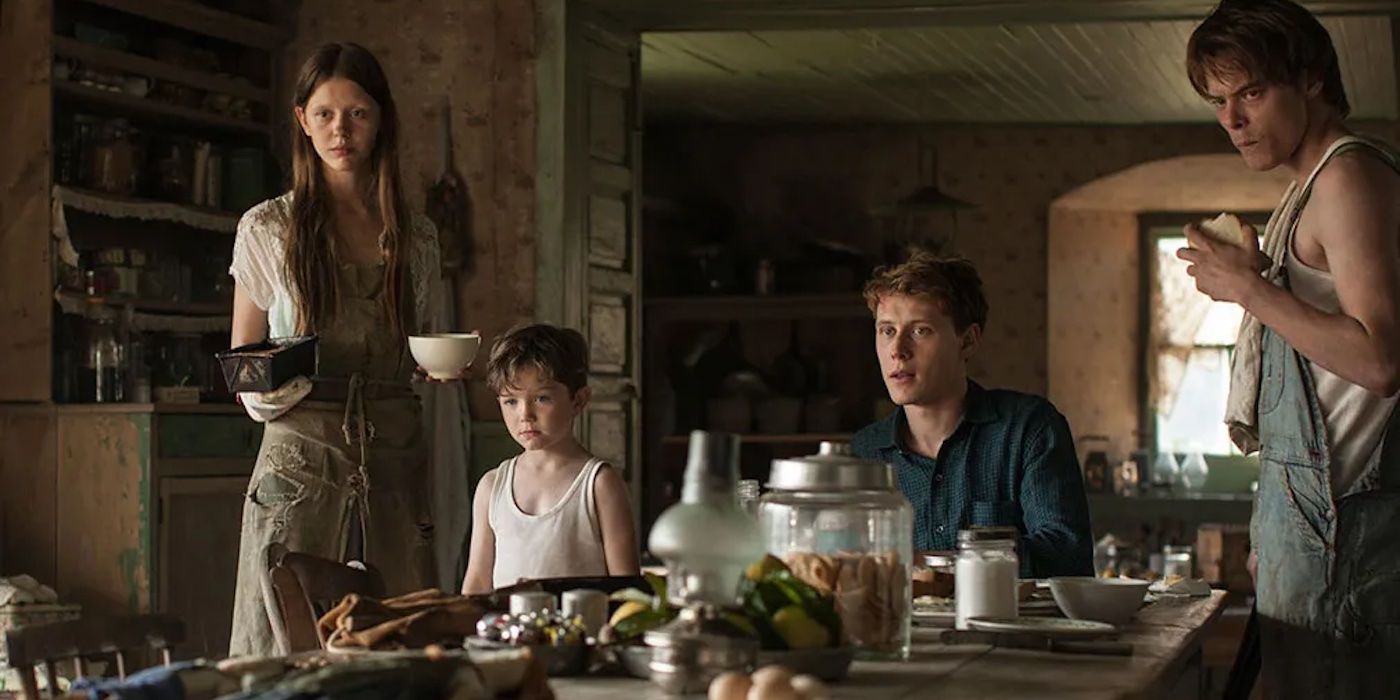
(775, 606)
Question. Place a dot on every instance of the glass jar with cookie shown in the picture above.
(841, 524)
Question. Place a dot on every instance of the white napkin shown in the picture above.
(266, 406)
(1186, 586)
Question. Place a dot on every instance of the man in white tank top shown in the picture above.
(1326, 321)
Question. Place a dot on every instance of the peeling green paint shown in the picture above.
(131, 563)
(144, 517)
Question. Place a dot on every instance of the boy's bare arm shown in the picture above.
(481, 558)
(1355, 209)
(615, 519)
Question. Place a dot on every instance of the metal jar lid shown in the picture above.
(833, 468)
(984, 535)
(937, 559)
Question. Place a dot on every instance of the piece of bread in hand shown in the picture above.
(1226, 228)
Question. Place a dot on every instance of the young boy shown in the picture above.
(554, 510)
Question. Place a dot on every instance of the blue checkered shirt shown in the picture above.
(1011, 461)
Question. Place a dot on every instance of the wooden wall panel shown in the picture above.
(28, 479)
(105, 521)
(25, 274)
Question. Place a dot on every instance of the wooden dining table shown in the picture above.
(1166, 660)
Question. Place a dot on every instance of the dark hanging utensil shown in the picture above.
(450, 208)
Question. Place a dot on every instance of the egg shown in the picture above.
(773, 689)
(771, 672)
(810, 687)
(730, 685)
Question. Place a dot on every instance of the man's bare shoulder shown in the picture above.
(1357, 174)
(1355, 202)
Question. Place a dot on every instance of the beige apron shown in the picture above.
(344, 474)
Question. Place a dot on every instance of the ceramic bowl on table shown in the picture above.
(1108, 599)
(444, 356)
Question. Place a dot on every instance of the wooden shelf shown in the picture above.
(124, 207)
(203, 20)
(159, 111)
(158, 307)
(741, 308)
(762, 439)
(131, 63)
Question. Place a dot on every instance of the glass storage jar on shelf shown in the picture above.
(103, 377)
(841, 524)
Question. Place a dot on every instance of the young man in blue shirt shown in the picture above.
(964, 455)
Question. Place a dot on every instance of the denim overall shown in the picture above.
(1328, 586)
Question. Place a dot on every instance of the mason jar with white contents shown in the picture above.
(985, 574)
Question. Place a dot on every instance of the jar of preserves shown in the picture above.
(113, 166)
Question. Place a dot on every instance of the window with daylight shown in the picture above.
(1190, 341)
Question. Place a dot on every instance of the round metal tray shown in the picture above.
(828, 664)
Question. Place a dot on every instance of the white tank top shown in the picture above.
(565, 540)
(1355, 417)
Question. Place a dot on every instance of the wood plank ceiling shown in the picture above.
(1089, 72)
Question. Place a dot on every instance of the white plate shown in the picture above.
(934, 618)
(1053, 626)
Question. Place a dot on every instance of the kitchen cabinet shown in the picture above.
(130, 508)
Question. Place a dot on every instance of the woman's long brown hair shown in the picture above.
(310, 262)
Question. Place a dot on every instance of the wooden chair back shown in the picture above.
(299, 588)
(78, 640)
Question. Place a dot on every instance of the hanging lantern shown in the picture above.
(926, 218)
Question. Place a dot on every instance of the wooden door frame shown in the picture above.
(562, 229)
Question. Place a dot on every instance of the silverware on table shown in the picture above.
(1039, 642)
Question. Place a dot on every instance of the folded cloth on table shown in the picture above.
(23, 588)
(187, 680)
(409, 621)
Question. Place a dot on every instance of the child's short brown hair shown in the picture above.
(558, 354)
(1277, 41)
(951, 282)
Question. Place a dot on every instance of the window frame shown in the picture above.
(1153, 226)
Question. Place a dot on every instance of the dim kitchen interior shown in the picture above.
(701, 189)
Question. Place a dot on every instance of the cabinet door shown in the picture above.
(200, 519)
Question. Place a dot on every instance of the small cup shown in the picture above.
(590, 605)
(531, 602)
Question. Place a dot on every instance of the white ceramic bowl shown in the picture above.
(444, 355)
(1111, 600)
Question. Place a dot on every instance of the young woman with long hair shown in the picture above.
(342, 472)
